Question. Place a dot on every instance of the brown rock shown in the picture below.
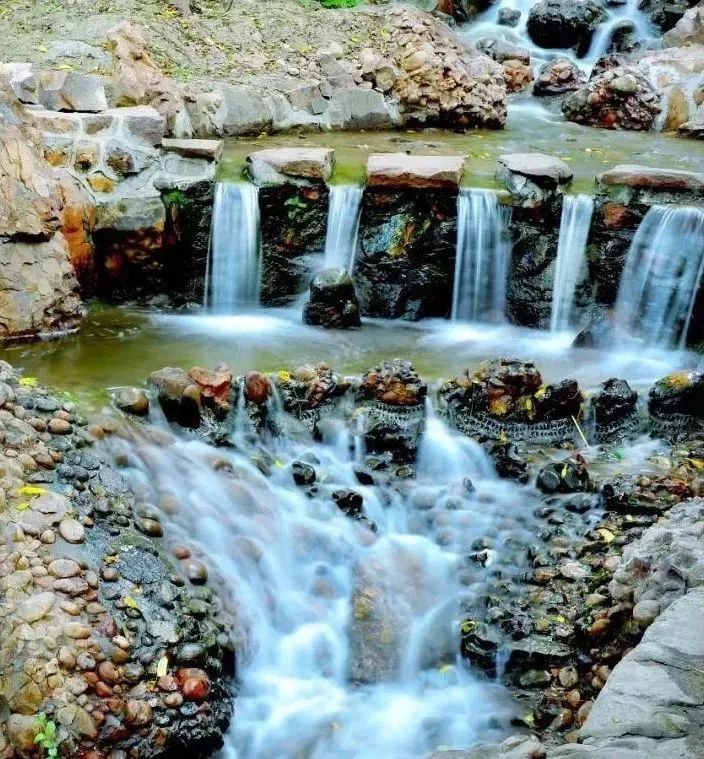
(257, 388)
(72, 531)
(616, 216)
(215, 385)
(396, 170)
(195, 684)
(138, 713)
(647, 177)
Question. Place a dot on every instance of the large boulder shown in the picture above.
(612, 407)
(137, 80)
(564, 23)
(71, 91)
(558, 77)
(665, 14)
(689, 30)
(618, 98)
(355, 108)
(678, 395)
(333, 302)
(442, 80)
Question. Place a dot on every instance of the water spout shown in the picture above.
(343, 225)
(662, 276)
(232, 276)
(571, 257)
(483, 249)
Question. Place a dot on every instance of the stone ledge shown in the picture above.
(543, 169)
(276, 166)
(208, 149)
(420, 172)
(647, 177)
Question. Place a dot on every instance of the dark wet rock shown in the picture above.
(569, 476)
(613, 406)
(624, 38)
(557, 77)
(564, 23)
(333, 301)
(509, 17)
(508, 462)
(666, 13)
(308, 390)
(293, 226)
(597, 328)
(303, 474)
(562, 400)
(351, 503)
(394, 383)
(178, 397)
(132, 400)
(406, 253)
(619, 98)
(679, 393)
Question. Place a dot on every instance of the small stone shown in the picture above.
(197, 572)
(108, 672)
(173, 700)
(58, 426)
(583, 712)
(599, 626)
(138, 712)
(568, 677)
(195, 684)
(645, 612)
(72, 531)
(67, 658)
(76, 630)
(534, 678)
(35, 607)
(149, 527)
(61, 568)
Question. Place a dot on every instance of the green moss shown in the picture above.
(175, 198)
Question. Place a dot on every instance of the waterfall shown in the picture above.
(483, 250)
(312, 588)
(662, 276)
(232, 276)
(344, 213)
(571, 257)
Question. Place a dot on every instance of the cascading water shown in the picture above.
(570, 266)
(347, 639)
(662, 276)
(232, 277)
(343, 225)
(483, 250)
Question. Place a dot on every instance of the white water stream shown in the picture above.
(344, 214)
(662, 276)
(483, 250)
(571, 263)
(232, 276)
(348, 640)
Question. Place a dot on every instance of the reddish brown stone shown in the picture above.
(615, 215)
(195, 683)
(257, 388)
(214, 385)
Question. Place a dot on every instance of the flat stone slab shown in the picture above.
(537, 166)
(646, 177)
(209, 149)
(399, 170)
(283, 165)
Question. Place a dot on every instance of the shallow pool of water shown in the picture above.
(531, 127)
(117, 346)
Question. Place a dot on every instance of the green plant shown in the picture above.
(46, 737)
(339, 3)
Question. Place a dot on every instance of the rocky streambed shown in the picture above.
(140, 557)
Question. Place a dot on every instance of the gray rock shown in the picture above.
(71, 91)
(131, 214)
(356, 108)
(398, 170)
(650, 178)
(75, 49)
(656, 693)
(210, 149)
(276, 166)
(532, 178)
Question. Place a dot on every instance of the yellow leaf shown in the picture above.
(499, 407)
(698, 464)
(42, 48)
(606, 535)
(284, 376)
(31, 490)
(22, 506)
(162, 667)
(130, 603)
(28, 381)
